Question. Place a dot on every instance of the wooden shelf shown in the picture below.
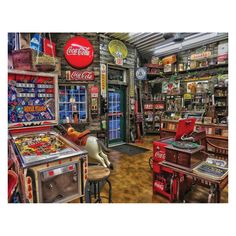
(174, 121)
(154, 66)
(216, 136)
(168, 130)
(220, 87)
(204, 68)
(156, 74)
(151, 131)
(208, 135)
(153, 101)
(214, 125)
(198, 123)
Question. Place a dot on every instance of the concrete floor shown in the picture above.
(132, 179)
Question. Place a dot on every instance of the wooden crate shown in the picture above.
(26, 59)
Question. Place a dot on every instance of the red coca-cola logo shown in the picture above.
(80, 75)
(79, 52)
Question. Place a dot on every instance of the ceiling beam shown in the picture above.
(138, 38)
(154, 40)
(151, 44)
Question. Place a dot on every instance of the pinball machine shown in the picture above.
(50, 168)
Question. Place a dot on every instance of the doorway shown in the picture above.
(116, 114)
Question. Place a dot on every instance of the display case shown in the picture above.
(72, 103)
(169, 120)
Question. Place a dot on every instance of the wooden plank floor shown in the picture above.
(132, 179)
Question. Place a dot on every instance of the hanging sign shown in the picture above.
(119, 61)
(169, 60)
(79, 52)
(141, 73)
(103, 80)
(159, 106)
(148, 106)
(94, 91)
(131, 87)
(80, 75)
(200, 55)
(187, 96)
(118, 50)
(170, 87)
(94, 100)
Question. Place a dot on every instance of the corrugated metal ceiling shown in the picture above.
(145, 43)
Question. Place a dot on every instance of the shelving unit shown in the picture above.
(221, 103)
(152, 116)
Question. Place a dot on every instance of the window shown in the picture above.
(116, 75)
(114, 119)
(72, 101)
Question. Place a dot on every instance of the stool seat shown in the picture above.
(98, 173)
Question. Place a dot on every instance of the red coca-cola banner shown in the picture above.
(79, 52)
(80, 75)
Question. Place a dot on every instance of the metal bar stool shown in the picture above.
(96, 176)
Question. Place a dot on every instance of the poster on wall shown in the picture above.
(171, 87)
(103, 80)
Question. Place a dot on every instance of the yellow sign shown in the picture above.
(200, 55)
(103, 80)
(197, 79)
(131, 88)
(187, 96)
(34, 108)
(117, 49)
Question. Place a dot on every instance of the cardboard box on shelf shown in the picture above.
(27, 59)
(207, 120)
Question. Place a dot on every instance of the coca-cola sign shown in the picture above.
(80, 75)
(79, 52)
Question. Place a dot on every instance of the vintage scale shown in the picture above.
(50, 167)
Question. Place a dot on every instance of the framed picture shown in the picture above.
(207, 120)
(171, 87)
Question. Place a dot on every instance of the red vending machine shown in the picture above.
(50, 168)
(164, 179)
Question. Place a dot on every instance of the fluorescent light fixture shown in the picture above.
(189, 42)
